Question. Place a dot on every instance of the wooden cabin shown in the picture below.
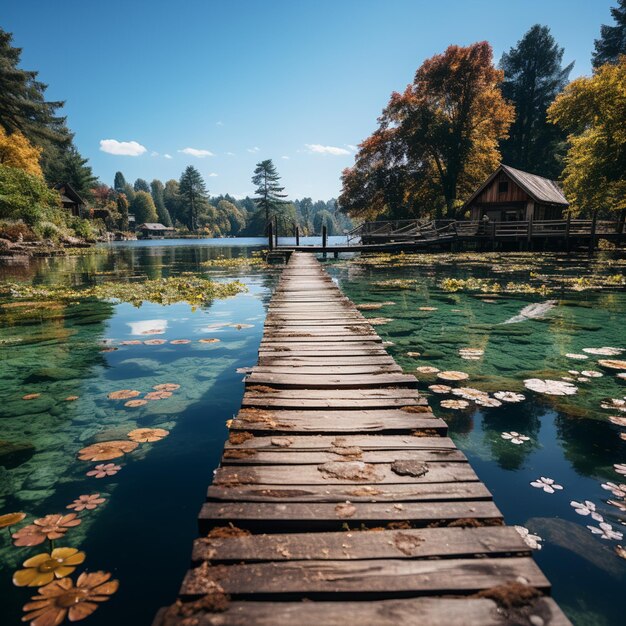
(511, 195)
(150, 230)
(70, 199)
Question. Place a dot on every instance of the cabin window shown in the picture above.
(503, 186)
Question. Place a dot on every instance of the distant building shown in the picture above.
(154, 231)
(513, 195)
(70, 199)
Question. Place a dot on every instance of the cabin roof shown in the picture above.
(68, 193)
(153, 226)
(540, 189)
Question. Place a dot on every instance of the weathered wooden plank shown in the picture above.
(413, 612)
(420, 543)
(325, 442)
(321, 370)
(315, 359)
(328, 348)
(330, 382)
(324, 339)
(378, 576)
(301, 457)
(341, 473)
(426, 492)
(347, 331)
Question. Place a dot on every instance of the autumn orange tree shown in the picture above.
(435, 142)
(17, 151)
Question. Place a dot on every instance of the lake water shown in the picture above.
(143, 531)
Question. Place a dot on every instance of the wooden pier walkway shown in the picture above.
(340, 499)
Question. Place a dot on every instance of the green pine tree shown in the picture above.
(269, 196)
(193, 196)
(142, 207)
(119, 182)
(533, 77)
(612, 40)
(157, 189)
(141, 185)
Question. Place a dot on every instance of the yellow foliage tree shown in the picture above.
(593, 112)
(16, 151)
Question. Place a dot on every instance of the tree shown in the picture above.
(75, 171)
(23, 105)
(171, 199)
(17, 151)
(141, 185)
(157, 189)
(122, 209)
(119, 182)
(193, 195)
(533, 77)
(325, 218)
(28, 198)
(592, 110)
(436, 141)
(612, 40)
(142, 207)
(269, 196)
(306, 208)
(236, 219)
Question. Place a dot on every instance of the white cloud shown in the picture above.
(122, 148)
(212, 175)
(196, 152)
(255, 149)
(168, 156)
(230, 153)
(319, 149)
(154, 153)
(285, 157)
(353, 148)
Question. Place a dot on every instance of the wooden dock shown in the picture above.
(340, 499)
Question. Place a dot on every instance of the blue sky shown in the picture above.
(298, 82)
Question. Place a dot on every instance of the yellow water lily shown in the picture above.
(44, 568)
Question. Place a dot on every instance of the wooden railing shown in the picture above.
(420, 230)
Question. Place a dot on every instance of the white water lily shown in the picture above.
(620, 468)
(515, 438)
(550, 387)
(606, 531)
(547, 484)
(577, 357)
(592, 374)
(469, 393)
(488, 402)
(471, 354)
(616, 490)
(532, 541)
(614, 404)
(587, 508)
(440, 388)
(454, 404)
(509, 396)
(427, 369)
(606, 351)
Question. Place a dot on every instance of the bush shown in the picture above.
(16, 231)
(83, 228)
(28, 198)
(48, 230)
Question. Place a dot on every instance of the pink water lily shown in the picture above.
(515, 438)
(606, 531)
(88, 502)
(104, 469)
(620, 468)
(532, 541)
(547, 484)
(587, 508)
(616, 490)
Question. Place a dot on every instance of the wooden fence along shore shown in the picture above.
(340, 500)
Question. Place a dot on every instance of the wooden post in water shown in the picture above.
(297, 233)
(270, 235)
(592, 239)
(568, 225)
(324, 236)
(275, 232)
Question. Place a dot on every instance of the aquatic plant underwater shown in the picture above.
(119, 376)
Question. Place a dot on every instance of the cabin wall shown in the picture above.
(491, 195)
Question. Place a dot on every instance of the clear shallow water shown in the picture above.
(571, 440)
(143, 532)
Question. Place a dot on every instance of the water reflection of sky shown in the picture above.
(143, 532)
